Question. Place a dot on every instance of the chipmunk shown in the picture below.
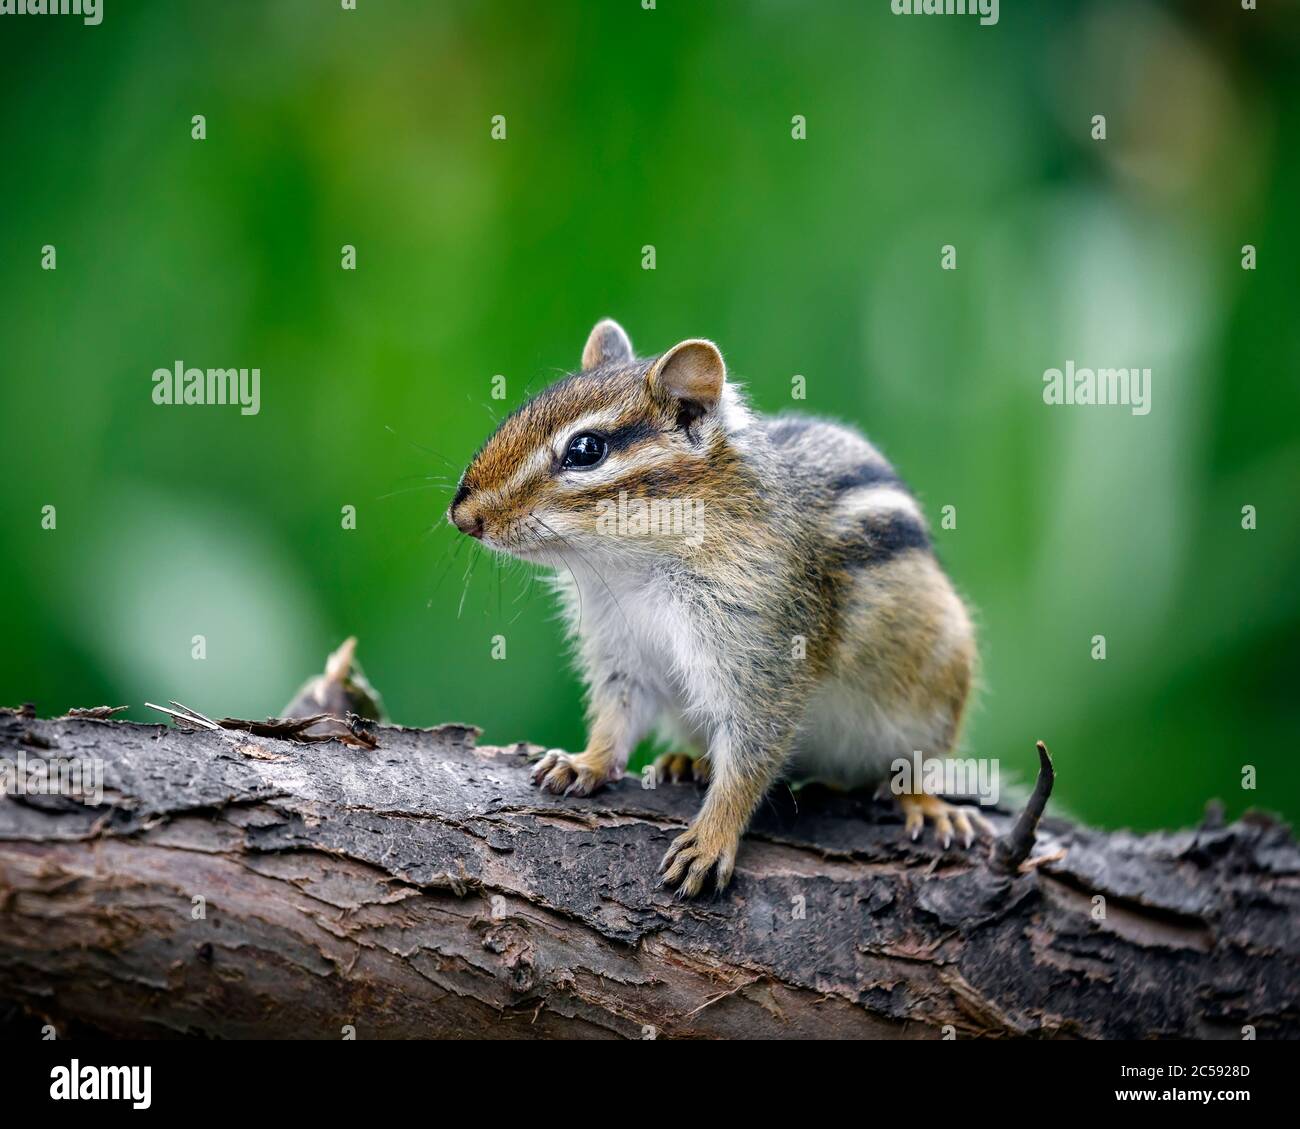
(801, 624)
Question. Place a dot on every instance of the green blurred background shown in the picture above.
(476, 257)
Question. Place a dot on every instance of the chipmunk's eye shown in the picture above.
(585, 451)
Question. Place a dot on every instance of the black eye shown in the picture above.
(585, 451)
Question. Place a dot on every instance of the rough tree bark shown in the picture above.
(423, 888)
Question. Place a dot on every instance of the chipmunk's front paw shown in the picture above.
(945, 816)
(579, 775)
(699, 851)
(679, 768)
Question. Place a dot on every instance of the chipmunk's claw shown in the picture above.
(693, 856)
(947, 818)
(564, 774)
(679, 768)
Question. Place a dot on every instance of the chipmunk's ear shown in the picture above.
(608, 344)
(691, 372)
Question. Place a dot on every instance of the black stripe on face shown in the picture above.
(868, 474)
(629, 435)
(882, 537)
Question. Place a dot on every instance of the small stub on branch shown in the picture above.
(341, 690)
(1009, 851)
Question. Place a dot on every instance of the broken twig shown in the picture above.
(350, 730)
(1011, 849)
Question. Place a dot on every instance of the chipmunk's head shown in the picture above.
(622, 457)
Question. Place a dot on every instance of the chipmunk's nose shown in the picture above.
(473, 527)
(461, 518)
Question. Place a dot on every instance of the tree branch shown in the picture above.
(424, 888)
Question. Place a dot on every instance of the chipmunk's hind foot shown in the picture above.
(947, 818)
(681, 768)
(700, 853)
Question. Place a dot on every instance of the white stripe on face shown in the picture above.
(603, 421)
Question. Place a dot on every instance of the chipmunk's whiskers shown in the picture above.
(588, 564)
(442, 485)
(469, 572)
(576, 586)
(496, 420)
(447, 566)
(427, 450)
